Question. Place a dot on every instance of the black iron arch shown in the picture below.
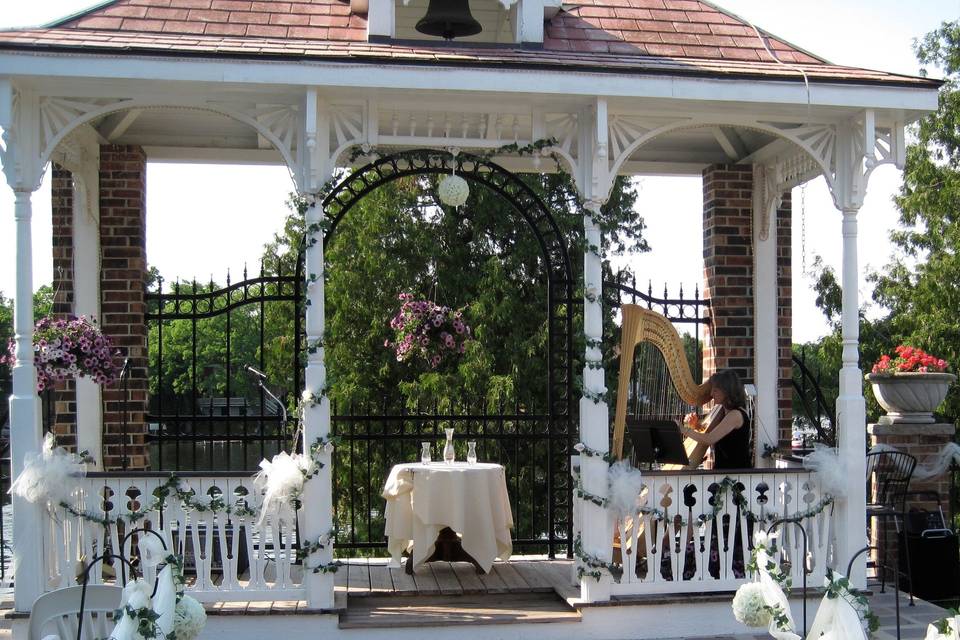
(560, 303)
(473, 169)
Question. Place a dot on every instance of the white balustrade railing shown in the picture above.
(677, 552)
(227, 557)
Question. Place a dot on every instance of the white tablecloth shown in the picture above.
(470, 499)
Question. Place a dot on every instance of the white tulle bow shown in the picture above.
(50, 476)
(829, 467)
(626, 483)
(280, 479)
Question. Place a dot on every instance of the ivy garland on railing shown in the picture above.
(173, 488)
(718, 501)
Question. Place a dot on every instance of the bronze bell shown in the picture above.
(449, 19)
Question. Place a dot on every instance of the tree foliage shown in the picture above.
(918, 291)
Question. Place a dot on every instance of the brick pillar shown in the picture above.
(64, 419)
(728, 269)
(728, 263)
(785, 319)
(122, 280)
(923, 442)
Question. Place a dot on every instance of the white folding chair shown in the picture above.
(56, 613)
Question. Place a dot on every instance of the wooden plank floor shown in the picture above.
(365, 577)
(443, 593)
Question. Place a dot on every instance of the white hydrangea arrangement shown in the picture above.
(749, 607)
(189, 618)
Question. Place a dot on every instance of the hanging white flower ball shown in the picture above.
(453, 191)
(189, 618)
(749, 606)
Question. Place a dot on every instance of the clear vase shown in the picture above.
(425, 452)
(448, 453)
(472, 452)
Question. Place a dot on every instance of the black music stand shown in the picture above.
(657, 441)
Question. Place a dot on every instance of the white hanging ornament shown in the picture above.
(453, 190)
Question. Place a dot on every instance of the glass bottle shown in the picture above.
(425, 452)
(472, 452)
(448, 453)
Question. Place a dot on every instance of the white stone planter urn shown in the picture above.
(910, 397)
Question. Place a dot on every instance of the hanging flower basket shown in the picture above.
(910, 386)
(429, 331)
(70, 348)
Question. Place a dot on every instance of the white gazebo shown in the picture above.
(625, 87)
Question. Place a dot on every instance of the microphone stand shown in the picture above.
(267, 391)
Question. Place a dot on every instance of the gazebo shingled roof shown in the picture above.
(677, 37)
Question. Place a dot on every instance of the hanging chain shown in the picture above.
(803, 227)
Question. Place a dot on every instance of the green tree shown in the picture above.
(921, 285)
(918, 292)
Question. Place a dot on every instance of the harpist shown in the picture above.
(727, 427)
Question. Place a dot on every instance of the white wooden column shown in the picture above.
(596, 527)
(766, 329)
(316, 516)
(851, 414)
(25, 415)
(20, 151)
(83, 162)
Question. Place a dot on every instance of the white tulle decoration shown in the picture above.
(165, 601)
(773, 595)
(932, 467)
(625, 485)
(453, 191)
(836, 619)
(830, 469)
(952, 632)
(190, 618)
(151, 550)
(50, 476)
(281, 479)
(136, 596)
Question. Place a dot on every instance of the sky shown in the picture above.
(206, 200)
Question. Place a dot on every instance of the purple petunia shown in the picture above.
(68, 348)
(427, 330)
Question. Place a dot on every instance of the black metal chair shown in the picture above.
(890, 473)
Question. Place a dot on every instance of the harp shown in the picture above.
(663, 387)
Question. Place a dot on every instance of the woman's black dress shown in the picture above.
(733, 450)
